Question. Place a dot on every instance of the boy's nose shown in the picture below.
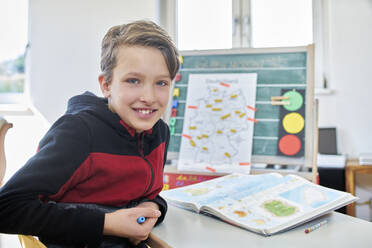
(148, 95)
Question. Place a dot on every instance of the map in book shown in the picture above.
(218, 123)
(264, 203)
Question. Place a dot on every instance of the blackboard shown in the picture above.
(277, 69)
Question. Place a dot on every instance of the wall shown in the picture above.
(65, 38)
(350, 63)
(349, 75)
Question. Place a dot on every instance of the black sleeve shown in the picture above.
(62, 150)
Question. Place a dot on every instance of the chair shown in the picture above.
(4, 126)
(28, 241)
(31, 242)
(25, 240)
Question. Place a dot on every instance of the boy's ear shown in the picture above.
(104, 85)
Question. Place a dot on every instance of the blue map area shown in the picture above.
(234, 187)
(298, 195)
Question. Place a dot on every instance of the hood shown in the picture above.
(97, 106)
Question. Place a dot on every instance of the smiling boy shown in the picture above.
(103, 152)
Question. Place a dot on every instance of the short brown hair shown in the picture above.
(138, 33)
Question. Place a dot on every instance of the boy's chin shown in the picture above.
(142, 128)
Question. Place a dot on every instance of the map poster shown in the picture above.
(218, 124)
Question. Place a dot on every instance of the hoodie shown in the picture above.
(88, 156)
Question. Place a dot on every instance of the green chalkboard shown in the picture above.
(277, 69)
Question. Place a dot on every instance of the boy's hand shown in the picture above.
(152, 205)
(123, 223)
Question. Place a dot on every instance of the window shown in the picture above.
(221, 24)
(281, 23)
(204, 24)
(13, 28)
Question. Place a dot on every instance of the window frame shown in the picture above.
(167, 18)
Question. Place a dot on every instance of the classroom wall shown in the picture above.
(350, 63)
(65, 39)
(349, 108)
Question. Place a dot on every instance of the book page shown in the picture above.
(221, 188)
(292, 200)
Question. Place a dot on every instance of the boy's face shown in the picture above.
(140, 85)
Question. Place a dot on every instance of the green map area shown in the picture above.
(279, 209)
(198, 191)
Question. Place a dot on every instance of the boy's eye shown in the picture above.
(162, 83)
(132, 81)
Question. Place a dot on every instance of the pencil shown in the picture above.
(141, 219)
(316, 226)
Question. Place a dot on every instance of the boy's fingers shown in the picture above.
(150, 213)
(153, 213)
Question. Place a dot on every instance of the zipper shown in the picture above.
(140, 150)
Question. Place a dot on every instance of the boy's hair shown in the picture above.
(138, 33)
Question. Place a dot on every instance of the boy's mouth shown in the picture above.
(145, 111)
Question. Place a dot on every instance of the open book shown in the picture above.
(266, 203)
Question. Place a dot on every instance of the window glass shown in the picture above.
(281, 23)
(13, 28)
(205, 24)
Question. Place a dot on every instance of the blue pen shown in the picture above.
(141, 219)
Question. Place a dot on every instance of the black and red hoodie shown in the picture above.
(88, 156)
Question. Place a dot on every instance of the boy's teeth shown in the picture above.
(144, 111)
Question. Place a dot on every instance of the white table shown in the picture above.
(182, 228)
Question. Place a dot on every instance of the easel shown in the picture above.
(315, 176)
(204, 61)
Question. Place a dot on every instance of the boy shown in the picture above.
(103, 152)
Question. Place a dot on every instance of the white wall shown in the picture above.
(65, 38)
(350, 67)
